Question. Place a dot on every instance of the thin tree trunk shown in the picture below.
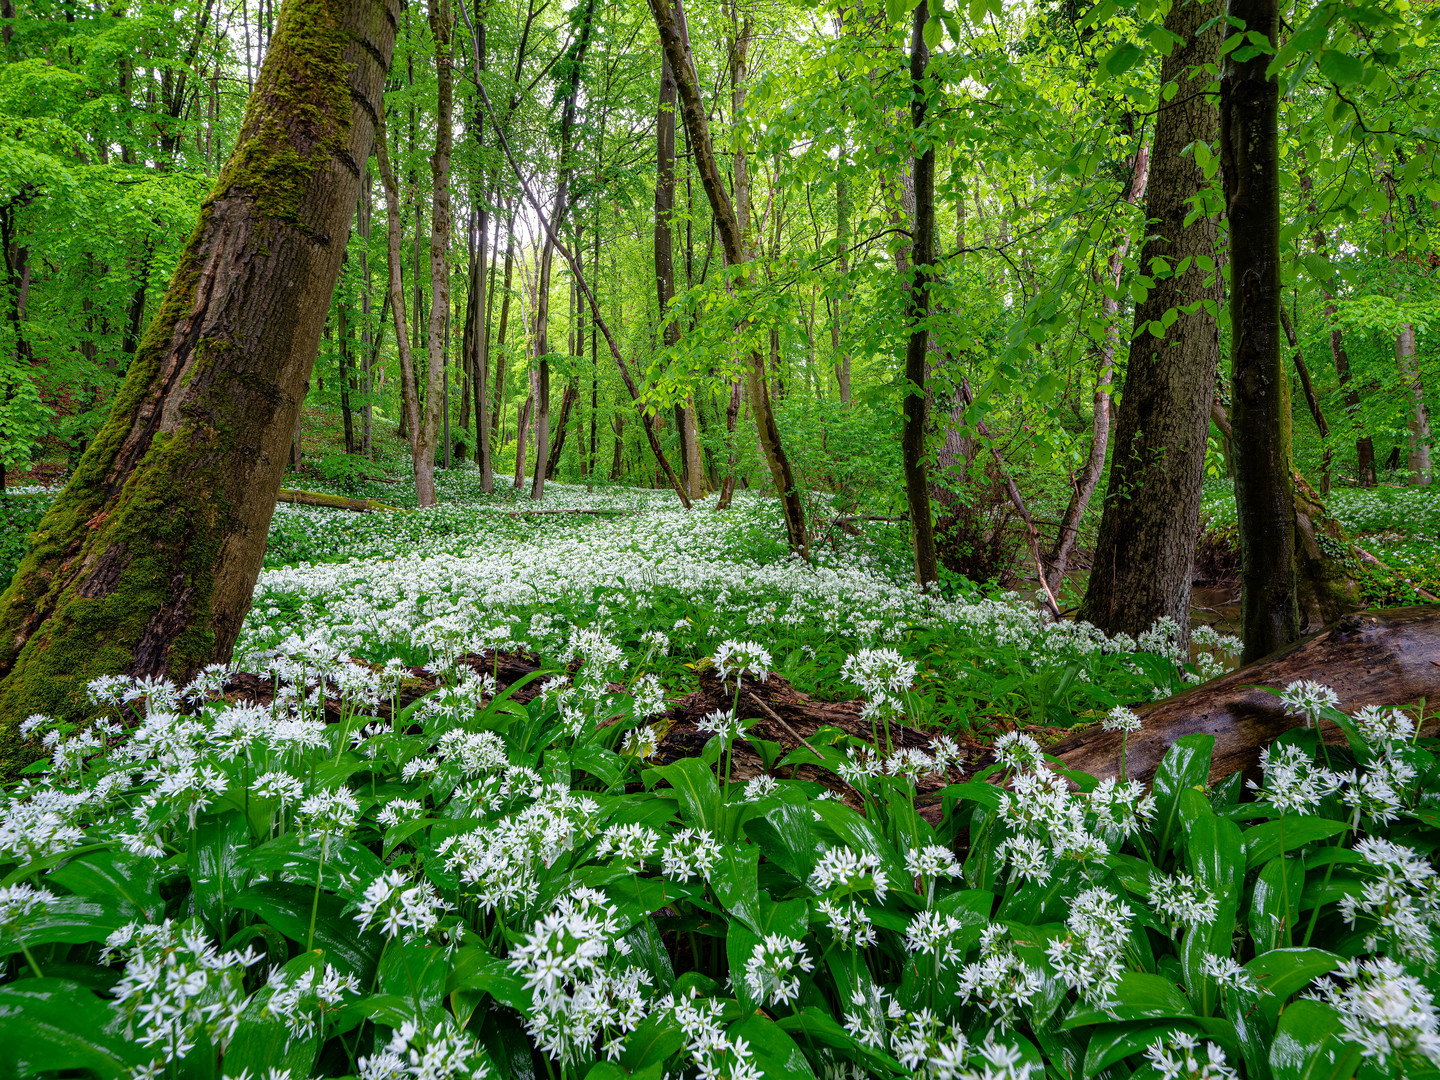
(1418, 419)
(917, 310)
(522, 425)
(146, 562)
(498, 398)
(1145, 549)
(1260, 413)
(732, 239)
(1303, 370)
(346, 367)
(441, 21)
(367, 387)
(1058, 561)
(409, 404)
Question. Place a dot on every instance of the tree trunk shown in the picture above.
(367, 448)
(332, 502)
(1418, 420)
(146, 563)
(347, 366)
(1368, 658)
(1260, 411)
(409, 403)
(1303, 370)
(441, 22)
(1145, 549)
(522, 424)
(497, 402)
(917, 310)
(1058, 561)
(732, 239)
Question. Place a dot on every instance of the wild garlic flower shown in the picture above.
(1228, 974)
(177, 986)
(931, 862)
(847, 871)
(866, 1017)
(631, 843)
(937, 934)
(928, 1047)
(691, 853)
(912, 764)
(1016, 750)
(1000, 982)
(1387, 1012)
(303, 1001)
(741, 658)
(1293, 782)
(1308, 699)
(772, 973)
(1121, 719)
(849, 922)
(1378, 792)
(760, 787)
(1403, 899)
(648, 696)
(329, 813)
(1181, 900)
(21, 904)
(715, 1054)
(1384, 729)
(443, 1052)
(641, 742)
(723, 724)
(473, 752)
(1184, 1057)
(879, 672)
(400, 908)
(278, 785)
(1123, 805)
(860, 764)
(400, 811)
(1090, 958)
(657, 641)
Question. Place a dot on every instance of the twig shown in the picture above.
(784, 726)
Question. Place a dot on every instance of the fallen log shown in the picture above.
(1388, 657)
(333, 502)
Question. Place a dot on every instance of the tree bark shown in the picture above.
(1303, 370)
(498, 397)
(1145, 549)
(917, 310)
(1260, 411)
(1368, 658)
(1418, 420)
(409, 401)
(732, 240)
(441, 23)
(146, 563)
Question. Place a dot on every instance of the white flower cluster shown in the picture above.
(1403, 899)
(441, 1053)
(772, 973)
(400, 908)
(1387, 1012)
(1090, 958)
(303, 1001)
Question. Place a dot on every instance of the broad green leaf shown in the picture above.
(474, 968)
(787, 837)
(1284, 972)
(1308, 1045)
(216, 845)
(48, 1025)
(71, 920)
(776, 1053)
(1140, 996)
(1263, 842)
(286, 907)
(1216, 857)
(1110, 1043)
(736, 882)
(1275, 909)
(696, 789)
(417, 973)
(652, 1043)
(1341, 68)
(1185, 765)
(106, 875)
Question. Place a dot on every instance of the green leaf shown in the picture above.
(1275, 908)
(1186, 765)
(1216, 857)
(1114, 1042)
(932, 32)
(1307, 1045)
(47, 1025)
(1263, 842)
(417, 973)
(1140, 996)
(775, 1052)
(696, 789)
(216, 845)
(107, 875)
(348, 867)
(651, 1043)
(475, 968)
(1284, 972)
(286, 907)
(735, 880)
(1121, 58)
(786, 834)
(71, 920)
(1341, 68)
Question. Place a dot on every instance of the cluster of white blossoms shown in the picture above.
(1387, 1012)
(575, 962)
(741, 658)
(304, 1000)
(1184, 1057)
(443, 1052)
(716, 1055)
(773, 970)
(1181, 901)
(1403, 899)
(400, 908)
(1000, 981)
(177, 987)
(884, 678)
(1048, 823)
(1090, 957)
(691, 853)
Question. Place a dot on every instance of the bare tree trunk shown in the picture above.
(1260, 413)
(1419, 418)
(1058, 560)
(147, 561)
(917, 310)
(367, 447)
(1303, 370)
(522, 425)
(497, 402)
(409, 404)
(1145, 549)
(732, 239)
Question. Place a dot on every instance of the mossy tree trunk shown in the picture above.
(147, 561)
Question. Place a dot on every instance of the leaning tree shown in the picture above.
(146, 562)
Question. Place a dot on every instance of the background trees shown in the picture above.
(791, 356)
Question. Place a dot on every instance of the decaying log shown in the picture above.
(1386, 657)
(333, 502)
